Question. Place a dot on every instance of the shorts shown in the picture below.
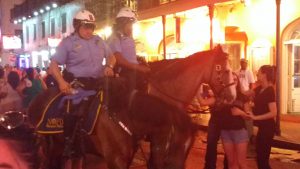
(235, 136)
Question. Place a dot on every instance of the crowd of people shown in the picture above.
(228, 122)
(18, 87)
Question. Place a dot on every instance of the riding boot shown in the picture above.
(69, 134)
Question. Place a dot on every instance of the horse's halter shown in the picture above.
(218, 69)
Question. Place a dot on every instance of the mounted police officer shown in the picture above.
(122, 45)
(82, 53)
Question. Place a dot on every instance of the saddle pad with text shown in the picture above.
(51, 121)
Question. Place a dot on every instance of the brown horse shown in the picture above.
(168, 128)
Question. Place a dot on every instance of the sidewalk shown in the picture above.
(289, 126)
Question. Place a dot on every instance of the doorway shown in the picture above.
(294, 73)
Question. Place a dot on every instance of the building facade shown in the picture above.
(44, 25)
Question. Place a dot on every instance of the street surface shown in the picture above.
(280, 159)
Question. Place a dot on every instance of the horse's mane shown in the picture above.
(169, 69)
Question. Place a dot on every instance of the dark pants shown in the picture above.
(263, 145)
(213, 134)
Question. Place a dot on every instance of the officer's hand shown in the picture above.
(143, 69)
(108, 71)
(65, 87)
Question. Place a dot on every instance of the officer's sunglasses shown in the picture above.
(12, 119)
(89, 26)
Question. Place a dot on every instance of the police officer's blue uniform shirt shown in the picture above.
(82, 57)
(124, 45)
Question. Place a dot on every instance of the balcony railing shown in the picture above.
(147, 4)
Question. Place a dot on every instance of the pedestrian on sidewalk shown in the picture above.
(264, 113)
(206, 97)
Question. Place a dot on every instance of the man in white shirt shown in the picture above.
(246, 77)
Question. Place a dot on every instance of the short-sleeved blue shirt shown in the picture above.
(82, 57)
(125, 45)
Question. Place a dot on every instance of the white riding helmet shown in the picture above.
(127, 13)
(85, 17)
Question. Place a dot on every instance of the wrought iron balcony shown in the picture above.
(147, 4)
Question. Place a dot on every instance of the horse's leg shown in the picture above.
(158, 151)
(116, 146)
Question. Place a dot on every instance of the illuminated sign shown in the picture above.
(11, 42)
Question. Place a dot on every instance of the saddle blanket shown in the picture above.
(52, 122)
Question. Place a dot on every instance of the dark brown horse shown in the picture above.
(168, 128)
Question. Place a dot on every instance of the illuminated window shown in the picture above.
(27, 34)
(34, 32)
(43, 29)
(64, 23)
(52, 31)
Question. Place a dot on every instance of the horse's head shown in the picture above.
(222, 78)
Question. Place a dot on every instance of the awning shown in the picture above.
(176, 6)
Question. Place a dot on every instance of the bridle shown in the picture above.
(220, 73)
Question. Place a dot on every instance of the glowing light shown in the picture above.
(53, 42)
(154, 34)
(15, 22)
(107, 31)
(41, 10)
(44, 54)
(12, 42)
(136, 30)
(54, 5)
(47, 8)
(52, 51)
(35, 13)
(246, 2)
(24, 18)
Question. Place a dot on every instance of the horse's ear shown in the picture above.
(219, 51)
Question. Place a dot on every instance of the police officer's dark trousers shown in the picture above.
(73, 147)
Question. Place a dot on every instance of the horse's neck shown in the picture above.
(179, 91)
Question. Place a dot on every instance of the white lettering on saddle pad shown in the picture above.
(55, 123)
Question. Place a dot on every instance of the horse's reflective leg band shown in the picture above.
(125, 128)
